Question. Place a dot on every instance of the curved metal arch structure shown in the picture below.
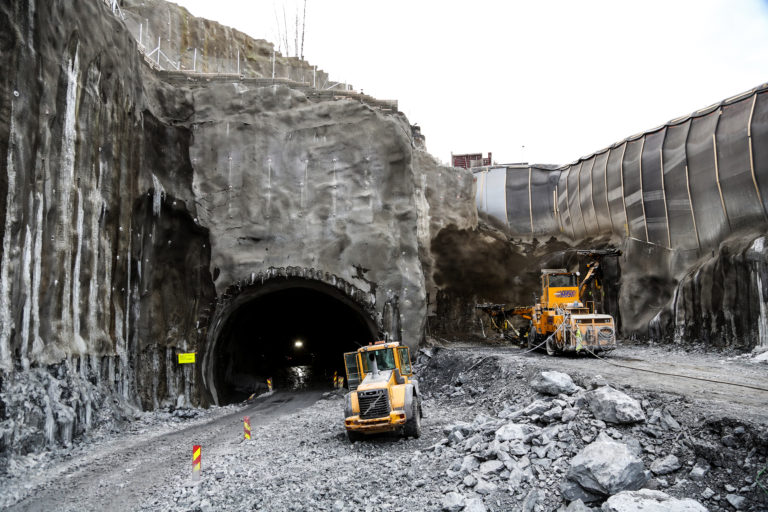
(683, 186)
(258, 285)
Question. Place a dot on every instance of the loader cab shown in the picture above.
(559, 287)
(387, 356)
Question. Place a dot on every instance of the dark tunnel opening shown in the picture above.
(296, 335)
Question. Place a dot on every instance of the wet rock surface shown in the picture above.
(471, 456)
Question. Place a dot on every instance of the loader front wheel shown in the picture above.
(353, 436)
(413, 424)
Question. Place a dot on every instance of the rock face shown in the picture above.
(646, 500)
(611, 405)
(143, 208)
(603, 468)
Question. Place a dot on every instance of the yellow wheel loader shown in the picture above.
(383, 394)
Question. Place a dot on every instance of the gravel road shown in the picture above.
(300, 459)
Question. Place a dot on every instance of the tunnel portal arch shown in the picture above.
(255, 320)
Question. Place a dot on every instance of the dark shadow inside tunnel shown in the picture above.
(295, 334)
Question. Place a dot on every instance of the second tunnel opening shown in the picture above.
(295, 334)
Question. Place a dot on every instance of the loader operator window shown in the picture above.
(561, 280)
(385, 360)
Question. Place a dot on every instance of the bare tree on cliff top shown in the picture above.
(284, 35)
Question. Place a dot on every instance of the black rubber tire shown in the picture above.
(413, 424)
(533, 337)
(354, 436)
(551, 347)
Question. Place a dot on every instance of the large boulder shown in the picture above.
(646, 500)
(613, 406)
(603, 468)
(554, 383)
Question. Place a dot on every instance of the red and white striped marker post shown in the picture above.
(269, 383)
(196, 462)
(247, 428)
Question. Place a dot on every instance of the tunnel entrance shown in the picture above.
(294, 331)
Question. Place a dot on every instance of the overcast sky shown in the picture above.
(561, 78)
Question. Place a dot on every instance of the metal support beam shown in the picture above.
(592, 192)
(664, 190)
(623, 194)
(605, 181)
(578, 199)
(752, 157)
(642, 193)
(717, 170)
(530, 198)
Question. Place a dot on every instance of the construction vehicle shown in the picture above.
(559, 320)
(383, 394)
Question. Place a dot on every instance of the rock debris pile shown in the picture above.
(497, 438)
(542, 442)
(498, 434)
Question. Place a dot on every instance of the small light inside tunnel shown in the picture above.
(298, 344)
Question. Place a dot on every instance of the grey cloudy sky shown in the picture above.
(562, 78)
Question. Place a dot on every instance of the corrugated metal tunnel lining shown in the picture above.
(293, 330)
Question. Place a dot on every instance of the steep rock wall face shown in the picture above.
(88, 327)
(687, 203)
(137, 212)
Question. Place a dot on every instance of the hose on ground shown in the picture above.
(657, 372)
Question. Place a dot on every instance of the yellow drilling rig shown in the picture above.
(562, 320)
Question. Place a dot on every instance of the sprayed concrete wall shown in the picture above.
(687, 203)
(138, 208)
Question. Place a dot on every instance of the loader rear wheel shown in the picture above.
(413, 424)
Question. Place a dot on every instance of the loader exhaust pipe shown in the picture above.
(374, 365)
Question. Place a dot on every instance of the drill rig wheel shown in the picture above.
(533, 338)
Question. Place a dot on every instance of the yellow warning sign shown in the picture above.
(187, 358)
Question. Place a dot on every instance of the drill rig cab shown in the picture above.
(383, 393)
